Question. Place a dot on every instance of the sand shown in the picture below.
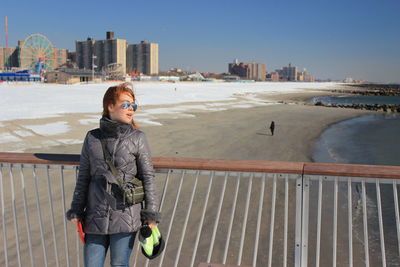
(237, 133)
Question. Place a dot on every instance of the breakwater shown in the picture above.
(371, 90)
(377, 92)
(374, 97)
(394, 108)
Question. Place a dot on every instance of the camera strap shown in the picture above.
(132, 189)
(108, 160)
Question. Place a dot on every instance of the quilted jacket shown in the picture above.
(95, 201)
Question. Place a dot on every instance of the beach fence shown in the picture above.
(231, 213)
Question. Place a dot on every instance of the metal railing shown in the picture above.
(251, 213)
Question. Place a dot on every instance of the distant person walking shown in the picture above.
(272, 127)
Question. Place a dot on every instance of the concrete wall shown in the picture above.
(65, 78)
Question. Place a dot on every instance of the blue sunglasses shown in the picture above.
(126, 105)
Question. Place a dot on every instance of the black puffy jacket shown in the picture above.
(131, 155)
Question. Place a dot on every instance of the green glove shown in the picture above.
(146, 240)
(156, 236)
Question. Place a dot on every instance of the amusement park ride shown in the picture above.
(37, 54)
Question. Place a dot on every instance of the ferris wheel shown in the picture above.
(37, 54)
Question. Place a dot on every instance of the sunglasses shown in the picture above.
(126, 105)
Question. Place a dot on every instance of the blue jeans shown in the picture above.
(96, 246)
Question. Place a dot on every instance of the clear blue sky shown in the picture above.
(332, 39)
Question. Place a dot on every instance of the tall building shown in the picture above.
(273, 76)
(142, 58)
(9, 58)
(300, 76)
(251, 71)
(257, 71)
(307, 77)
(84, 53)
(239, 69)
(61, 57)
(103, 53)
(288, 73)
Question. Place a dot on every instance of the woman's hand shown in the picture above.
(152, 224)
(74, 220)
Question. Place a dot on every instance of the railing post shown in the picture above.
(299, 186)
(302, 214)
(3, 217)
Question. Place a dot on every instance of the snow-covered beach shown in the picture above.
(55, 118)
(42, 108)
(23, 101)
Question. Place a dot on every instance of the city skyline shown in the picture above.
(358, 39)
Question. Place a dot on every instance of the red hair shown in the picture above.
(112, 95)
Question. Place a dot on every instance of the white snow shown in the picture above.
(50, 128)
(148, 121)
(89, 121)
(217, 109)
(6, 138)
(69, 141)
(23, 133)
(48, 100)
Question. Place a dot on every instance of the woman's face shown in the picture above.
(120, 111)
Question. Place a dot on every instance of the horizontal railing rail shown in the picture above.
(253, 213)
(311, 168)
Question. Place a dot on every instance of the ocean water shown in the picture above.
(369, 139)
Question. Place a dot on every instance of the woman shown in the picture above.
(108, 221)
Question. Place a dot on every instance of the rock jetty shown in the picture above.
(372, 89)
(369, 92)
(375, 107)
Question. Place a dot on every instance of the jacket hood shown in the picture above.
(111, 128)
